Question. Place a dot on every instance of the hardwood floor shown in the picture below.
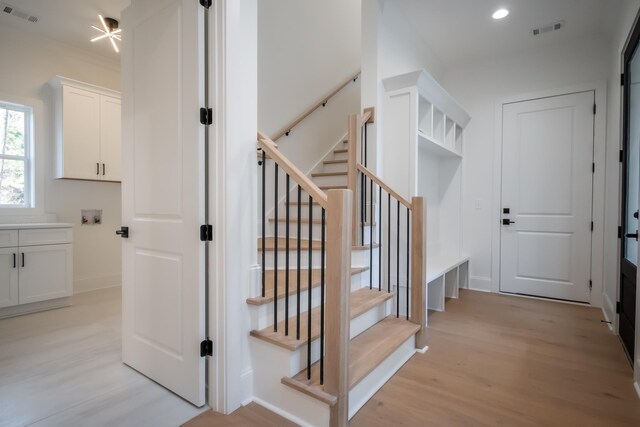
(500, 360)
(63, 368)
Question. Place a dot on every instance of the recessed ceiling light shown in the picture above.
(500, 14)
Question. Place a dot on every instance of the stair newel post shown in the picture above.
(419, 269)
(339, 242)
(352, 172)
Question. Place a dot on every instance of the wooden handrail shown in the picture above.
(384, 186)
(322, 101)
(296, 175)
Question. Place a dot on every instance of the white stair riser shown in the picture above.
(359, 258)
(334, 167)
(262, 315)
(340, 156)
(270, 364)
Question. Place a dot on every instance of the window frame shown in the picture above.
(27, 158)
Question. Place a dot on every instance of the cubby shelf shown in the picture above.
(422, 148)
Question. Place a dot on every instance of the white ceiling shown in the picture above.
(462, 31)
(68, 21)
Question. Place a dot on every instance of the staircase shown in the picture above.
(330, 325)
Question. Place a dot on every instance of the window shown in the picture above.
(15, 156)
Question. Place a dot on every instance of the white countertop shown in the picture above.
(35, 225)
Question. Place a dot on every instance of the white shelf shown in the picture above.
(440, 265)
(435, 147)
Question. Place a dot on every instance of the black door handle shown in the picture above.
(14, 260)
(97, 168)
(22, 259)
(507, 221)
(632, 235)
(104, 169)
(123, 232)
(635, 214)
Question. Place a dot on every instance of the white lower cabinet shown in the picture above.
(45, 272)
(36, 268)
(8, 277)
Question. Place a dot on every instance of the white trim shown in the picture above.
(609, 307)
(38, 155)
(599, 142)
(59, 81)
(422, 350)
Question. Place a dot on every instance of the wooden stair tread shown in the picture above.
(293, 281)
(293, 220)
(322, 174)
(366, 352)
(340, 150)
(361, 301)
(335, 162)
(333, 187)
(304, 244)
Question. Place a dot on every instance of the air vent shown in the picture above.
(10, 10)
(548, 28)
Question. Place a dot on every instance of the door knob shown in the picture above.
(507, 221)
(635, 214)
(123, 232)
(632, 235)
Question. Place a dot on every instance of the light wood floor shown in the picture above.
(496, 360)
(63, 368)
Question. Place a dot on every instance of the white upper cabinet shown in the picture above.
(87, 131)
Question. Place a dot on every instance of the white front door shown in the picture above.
(163, 259)
(547, 180)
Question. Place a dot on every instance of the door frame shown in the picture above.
(598, 207)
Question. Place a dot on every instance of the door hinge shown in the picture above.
(206, 233)
(619, 232)
(617, 307)
(205, 3)
(591, 225)
(622, 79)
(206, 116)
(206, 348)
(594, 109)
(621, 156)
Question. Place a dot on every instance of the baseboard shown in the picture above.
(482, 284)
(422, 350)
(608, 307)
(34, 307)
(283, 414)
(637, 387)
(95, 283)
(246, 385)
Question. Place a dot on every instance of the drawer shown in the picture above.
(45, 236)
(8, 238)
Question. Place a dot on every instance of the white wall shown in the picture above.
(389, 47)
(478, 88)
(28, 62)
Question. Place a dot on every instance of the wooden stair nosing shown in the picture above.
(306, 221)
(326, 174)
(340, 150)
(333, 187)
(366, 352)
(315, 278)
(362, 301)
(335, 162)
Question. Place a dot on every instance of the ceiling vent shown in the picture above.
(548, 28)
(10, 10)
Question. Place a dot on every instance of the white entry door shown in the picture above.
(547, 180)
(163, 259)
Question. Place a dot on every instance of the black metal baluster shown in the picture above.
(322, 267)
(363, 211)
(398, 262)
(408, 278)
(298, 264)
(287, 247)
(389, 243)
(264, 225)
(309, 290)
(380, 238)
(371, 236)
(275, 255)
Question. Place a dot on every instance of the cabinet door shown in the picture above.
(110, 138)
(81, 133)
(45, 272)
(8, 277)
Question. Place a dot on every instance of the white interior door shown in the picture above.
(547, 180)
(163, 261)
